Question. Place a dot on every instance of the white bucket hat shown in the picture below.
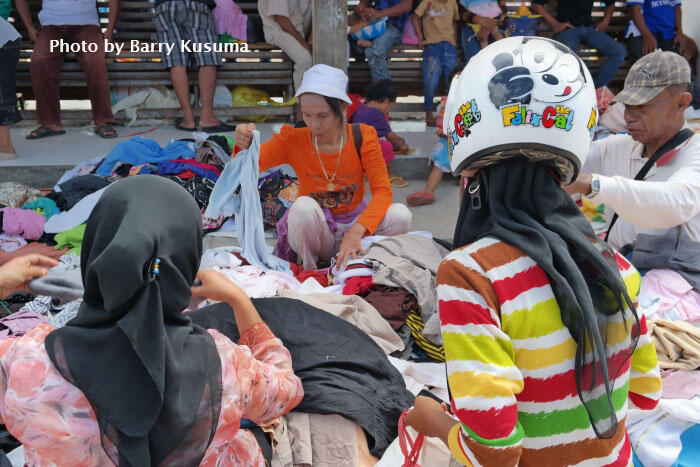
(326, 81)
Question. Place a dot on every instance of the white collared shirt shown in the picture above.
(669, 195)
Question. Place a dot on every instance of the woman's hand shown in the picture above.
(351, 244)
(216, 286)
(16, 273)
(422, 417)
(244, 135)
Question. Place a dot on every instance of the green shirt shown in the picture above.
(5, 8)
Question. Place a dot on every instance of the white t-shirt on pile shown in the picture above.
(69, 12)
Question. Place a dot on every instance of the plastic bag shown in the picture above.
(245, 96)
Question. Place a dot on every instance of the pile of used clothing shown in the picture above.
(371, 337)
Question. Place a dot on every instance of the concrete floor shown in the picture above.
(41, 162)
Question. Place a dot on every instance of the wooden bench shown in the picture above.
(405, 63)
(262, 66)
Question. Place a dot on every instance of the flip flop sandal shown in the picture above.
(397, 181)
(405, 153)
(105, 131)
(220, 128)
(420, 198)
(43, 131)
(184, 128)
(178, 124)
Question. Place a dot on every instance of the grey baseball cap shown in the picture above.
(651, 74)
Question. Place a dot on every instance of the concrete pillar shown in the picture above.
(330, 39)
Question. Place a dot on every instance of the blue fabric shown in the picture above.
(659, 15)
(141, 150)
(438, 60)
(48, 205)
(690, 439)
(176, 168)
(376, 54)
(397, 21)
(236, 194)
(606, 45)
(441, 156)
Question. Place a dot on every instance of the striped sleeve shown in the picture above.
(645, 379)
(481, 372)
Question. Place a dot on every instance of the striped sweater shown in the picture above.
(510, 365)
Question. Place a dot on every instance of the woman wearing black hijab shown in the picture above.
(130, 381)
(544, 348)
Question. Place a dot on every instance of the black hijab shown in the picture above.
(152, 377)
(522, 204)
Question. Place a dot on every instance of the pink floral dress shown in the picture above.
(57, 425)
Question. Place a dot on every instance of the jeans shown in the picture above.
(376, 54)
(606, 45)
(634, 45)
(438, 60)
(469, 43)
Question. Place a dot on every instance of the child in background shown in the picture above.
(441, 164)
(380, 98)
(441, 160)
(439, 37)
(482, 22)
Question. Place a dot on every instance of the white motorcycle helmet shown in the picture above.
(526, 95)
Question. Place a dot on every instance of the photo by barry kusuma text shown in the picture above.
(117, 48)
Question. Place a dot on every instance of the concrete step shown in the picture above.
(45, 176)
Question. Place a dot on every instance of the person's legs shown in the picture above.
(169, 31)
(571, 37)
(609, 47)
(634, 47)
(207, 87)
(45, 70)
(434, 179)
(432, 69)
(308, 232)
(468, 42)
(449, 63)
(181, 85)
(93, 65)
(377, 53)
(299, 55)
(9, 114)
(387, 150)
(397, 221)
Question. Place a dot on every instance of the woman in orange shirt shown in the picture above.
(331, 214)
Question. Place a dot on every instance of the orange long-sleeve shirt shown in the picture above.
(293, 146)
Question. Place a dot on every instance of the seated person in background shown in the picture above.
(654, 25)
(438, 37)
(380, 98)
(397, 12)
(656, 94)
(287, 24)
(182, 20)
(73, 22)
(545, 351)
(574, 24)
(480, 25)
(130, 380)
(331, 214)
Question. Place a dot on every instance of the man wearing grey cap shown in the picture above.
(656, 94)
